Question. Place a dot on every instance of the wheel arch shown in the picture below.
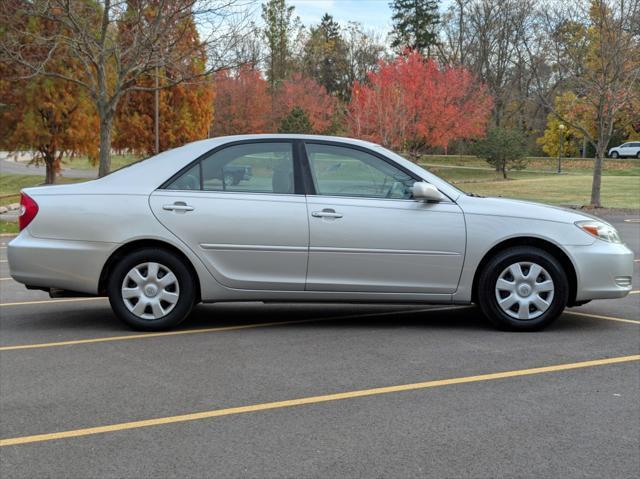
(127, 248)
(543, 244)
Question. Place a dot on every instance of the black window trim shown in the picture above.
(298, 188)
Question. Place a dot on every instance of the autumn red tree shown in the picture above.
(411, 103)
(242, 102)
(306, 94)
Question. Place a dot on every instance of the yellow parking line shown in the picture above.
(3, 261)
(52, 301)
(311, 400)
(637, 291)
(608, 318)
(217, 329)
(6, 279)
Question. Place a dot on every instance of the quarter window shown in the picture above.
(343, 171)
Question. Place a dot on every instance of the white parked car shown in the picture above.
(630, 149)
(318, 219)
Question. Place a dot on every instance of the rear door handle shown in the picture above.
(326, 213)
(178, 206)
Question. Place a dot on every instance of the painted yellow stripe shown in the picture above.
(3, 261)
(608, 318)
(6, 279)
(637, 291)
(53, 301)
(311, 400)
(217, 329)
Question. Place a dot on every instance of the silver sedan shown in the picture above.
(307, 218)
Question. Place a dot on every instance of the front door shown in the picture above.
(238, 210)
(367, 234)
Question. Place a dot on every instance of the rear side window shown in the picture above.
(248, 168)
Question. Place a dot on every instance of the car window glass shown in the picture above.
(343, 171)
(250, 167)
(187, 181)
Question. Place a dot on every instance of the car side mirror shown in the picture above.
(423, 191)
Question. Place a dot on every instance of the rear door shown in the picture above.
(240, 210)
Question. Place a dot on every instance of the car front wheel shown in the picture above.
(523, 289)
(614, 154)
(151, 290)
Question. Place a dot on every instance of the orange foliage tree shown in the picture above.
(411, 103)
(51, 117)
(185, 109)
(242, 102)
(306, 94)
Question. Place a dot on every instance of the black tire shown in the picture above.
(185, 280)
(615, 154)
(487, 294)
(638, 155)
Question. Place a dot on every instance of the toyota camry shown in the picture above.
(284, 218)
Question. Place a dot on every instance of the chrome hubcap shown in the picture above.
(524, 290)
(150, 290)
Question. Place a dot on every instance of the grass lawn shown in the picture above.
(83, 163)
(10, 186)
(617, 191)
(625, 167)
(539, 182)
(8, 227)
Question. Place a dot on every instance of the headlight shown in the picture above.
(600, 230)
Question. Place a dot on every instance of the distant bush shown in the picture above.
(503, 148)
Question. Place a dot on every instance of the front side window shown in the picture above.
(343, 171)
(246, 168)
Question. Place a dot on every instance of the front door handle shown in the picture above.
(326, 213)
(178, 206)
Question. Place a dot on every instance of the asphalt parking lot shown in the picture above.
(253, 390)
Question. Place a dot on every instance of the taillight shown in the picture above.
(28, 210)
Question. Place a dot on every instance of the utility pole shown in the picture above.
(561, 133)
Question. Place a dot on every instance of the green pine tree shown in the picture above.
(415, 25)
(296, 121)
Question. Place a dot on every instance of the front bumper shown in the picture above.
(604, 270)
(53, 263)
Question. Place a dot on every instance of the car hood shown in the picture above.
(493, 206)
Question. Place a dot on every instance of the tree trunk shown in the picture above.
(597, 177)
(504, 170)
(50, 170)
(106, 123)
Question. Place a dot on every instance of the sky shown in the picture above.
(373, 14)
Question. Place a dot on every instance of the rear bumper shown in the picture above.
(53, 263)
(603, 270)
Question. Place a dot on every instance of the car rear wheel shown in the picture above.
(638, 155)
(523, 289)
(614, 154)
(151, 290)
